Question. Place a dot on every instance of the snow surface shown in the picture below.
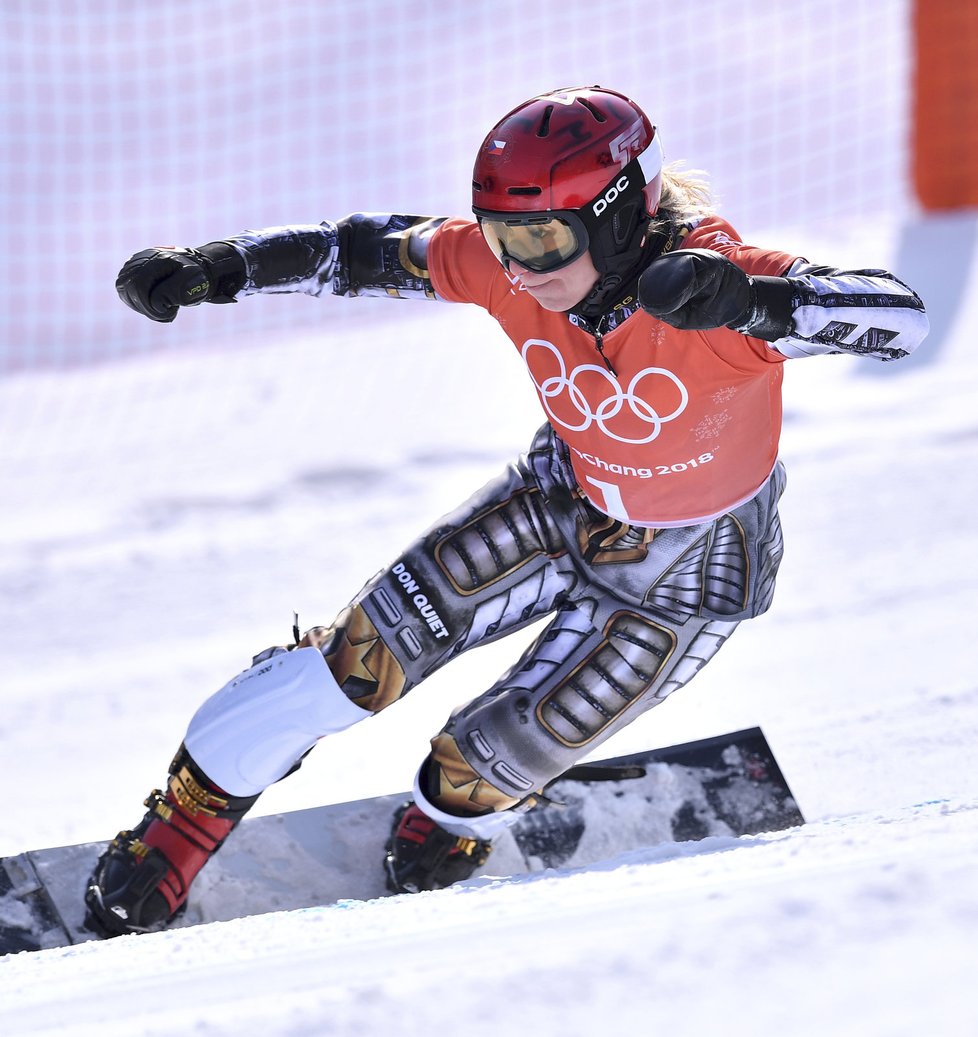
(165, 516)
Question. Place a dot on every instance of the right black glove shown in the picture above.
(158, 281)
(694, 289)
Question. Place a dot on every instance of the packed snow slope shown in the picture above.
(165, 516)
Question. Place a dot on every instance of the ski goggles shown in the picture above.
(541, 241)
(548, 240)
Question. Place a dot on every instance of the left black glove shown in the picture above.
(158, 281)
(694, 289)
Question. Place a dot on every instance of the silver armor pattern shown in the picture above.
(635, 614)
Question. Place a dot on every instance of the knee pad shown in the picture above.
(259, 726)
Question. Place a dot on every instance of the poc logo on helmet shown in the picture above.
(610, 195)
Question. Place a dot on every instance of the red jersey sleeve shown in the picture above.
(717, 235)
(461, 266)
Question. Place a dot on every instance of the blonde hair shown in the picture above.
(686, 195)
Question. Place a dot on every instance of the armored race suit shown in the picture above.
(643, 518)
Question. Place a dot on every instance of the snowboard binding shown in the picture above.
(421, 855)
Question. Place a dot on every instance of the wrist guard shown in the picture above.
(768, 314)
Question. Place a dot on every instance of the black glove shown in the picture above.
(694, 289)
(157, 281)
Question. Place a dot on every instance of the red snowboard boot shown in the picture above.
(142, 879)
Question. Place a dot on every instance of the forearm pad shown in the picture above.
(302, 258)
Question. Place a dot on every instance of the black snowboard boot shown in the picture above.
(142, 879)
(421, 855)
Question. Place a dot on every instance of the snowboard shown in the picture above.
(729, 785)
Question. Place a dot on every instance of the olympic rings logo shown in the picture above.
(609, 413)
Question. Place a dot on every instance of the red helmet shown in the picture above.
(585, 163)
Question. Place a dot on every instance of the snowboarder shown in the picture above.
(643, 517)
